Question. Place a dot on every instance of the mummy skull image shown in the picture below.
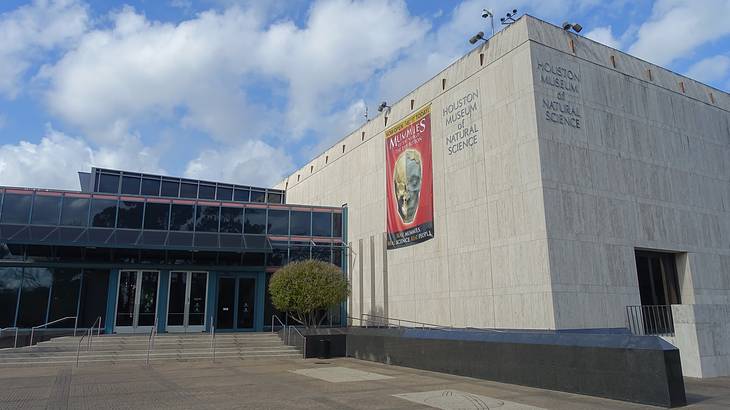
(407, 177)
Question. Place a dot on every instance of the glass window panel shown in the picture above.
(108, 183)
(103, 212)
(279, 254)
(206, 191)
(180, 257)
(156, 216)
(205, 258)
(122, 255)
(34, 296)
(46, 210)
(16, 208)
(93, 297)
(188, 190)
(9, 251)
(10, 279)
(298, 253)
(337, 256)
(181, 217)
(64, 295)
(229, 258)
(246, 302)
(274, 198)
(231, 220)
(98, 255)
(224, 193)
(150, 186)
(198, 290)
(39, 253)
(337, 225)
(207, 218)
(278, 222)
(69, 253)
(130, 185)
(126, 298)
(152, 256)
(321, 224)
(170, 188)
(258, 196)
(321, 252)
(74, 211)
(241, 195)
(130, 214)
(254, 259)
(255, 221)
(176, 306)
(300, 223)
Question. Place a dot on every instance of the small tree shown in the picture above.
(308, 289)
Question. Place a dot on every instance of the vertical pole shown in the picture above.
(76, 324)
(15, 345)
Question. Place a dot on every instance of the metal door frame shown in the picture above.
(186, 314)
(135, 328)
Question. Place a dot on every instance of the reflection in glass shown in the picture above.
(246, 302)
(207, 218)
(148, 299)
(176, 308)
(170, 188)
(34, 296)
(321, 224)
(46, 210)
(93, 297)
(300, 223)
(241, 195)
(74, 211)
(181, 217)
(9, 286)
(103, 212)
(150, 186)
(231, 220)
(126, 298)
(206, 191)
(255, 221)
(108, 184)
(188, 190)
(64, 295)
(16, 208)
(198, 290)
(156, 216)
(298, 253)
(278, 222)
(130, 215)
(130, 185)
(337, 225)
(224, 193)
(274, 198)
(258, 196)
(321, 252)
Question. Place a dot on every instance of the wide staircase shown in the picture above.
(137, 348)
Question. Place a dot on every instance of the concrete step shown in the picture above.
(110, 359)
(26, 354)
(132, 354)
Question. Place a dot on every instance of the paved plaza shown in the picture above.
(291, 384)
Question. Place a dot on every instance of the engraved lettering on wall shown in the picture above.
(562, 108)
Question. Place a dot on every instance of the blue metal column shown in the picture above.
(260, 301)
(111, 301)
(162, 300)
(345, 265)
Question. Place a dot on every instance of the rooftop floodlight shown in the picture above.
(383, 106)
(509, 18)
(488, 13)
(476, 37)
(574, 26)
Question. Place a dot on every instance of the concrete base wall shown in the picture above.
(702, 334)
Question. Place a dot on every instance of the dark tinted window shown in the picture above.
(255, 221)
(241, 195)
(188, 190)
(224, 193)
(170, 188)
(321, 224)
(64, 295)
(130, 185)
(337, 225)
(231, 220)
(300, 223)
(278, 222)
(298, 252)
(150, 186)
(103, 213)
(75, 211)
(46, 210)
(274, 198)
(258, 196)
(9, 285)
(321, 252)
(34, 297)
(206, 192)
(206, 218)
(156, 216)
(16, 208)
(108, 183)
(181, 217)
(130, 215)
(93, 297)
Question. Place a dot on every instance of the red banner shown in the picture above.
(409, 180)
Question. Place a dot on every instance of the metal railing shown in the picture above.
(45, 325)
(369, 320)
(151, 341)
(90, 333)
(650, 320)
(15, 343)
(283, 326)
(212, 338)
(304, 339)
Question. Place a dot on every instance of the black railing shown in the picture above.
(650, 320)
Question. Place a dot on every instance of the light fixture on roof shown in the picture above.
(384, 107)
(488, 13)
(476, 37)
(574, 26)
(509, 18)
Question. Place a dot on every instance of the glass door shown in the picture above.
(136, 301)
(246, 302)
(226, 303)
(236, 303)
(186, 303)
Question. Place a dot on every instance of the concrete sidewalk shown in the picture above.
(292, 384)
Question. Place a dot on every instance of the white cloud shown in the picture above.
(711, 69)
(252, 162)
(604, 35)
(55, 160)
(32, 30)
(677, 27)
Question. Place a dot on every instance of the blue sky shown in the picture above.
(247, 91)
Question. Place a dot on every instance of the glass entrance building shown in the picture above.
(137, 250)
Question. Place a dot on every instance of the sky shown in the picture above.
(248, 91)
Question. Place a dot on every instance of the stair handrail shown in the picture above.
(304, 340)
(212, 337)
(279, 320)
(151, 341)
(90, 333)
(32, 329)
(15, 344)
